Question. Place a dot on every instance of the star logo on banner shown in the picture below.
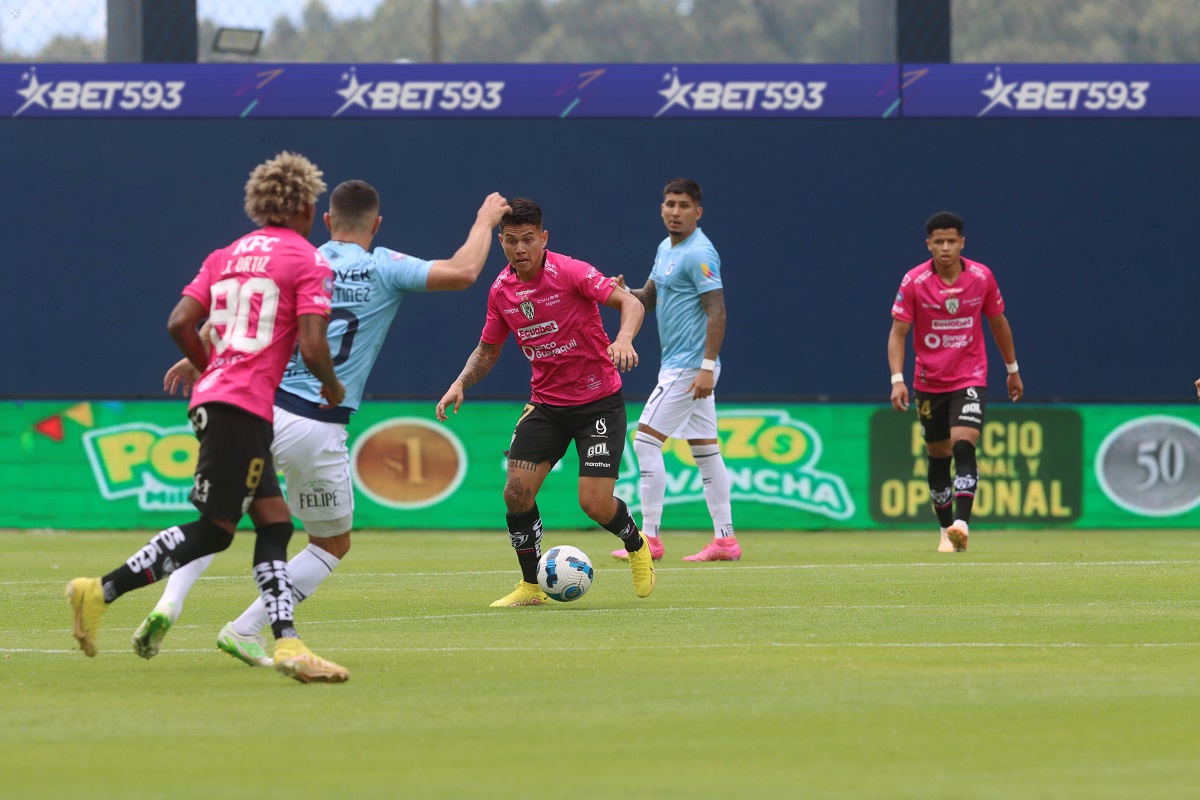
(354, 93)
(998, 93)
(34, 93)
(676, 93)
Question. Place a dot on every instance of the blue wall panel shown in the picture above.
(1086, 223)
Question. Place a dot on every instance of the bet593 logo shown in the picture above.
(741, 95)
(142, 460)
(1064, 95)
(100, 95)
(771, 459)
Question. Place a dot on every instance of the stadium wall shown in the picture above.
(1086, 223)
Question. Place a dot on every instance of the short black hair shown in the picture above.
(524, 212)
(943, 220)
(683, 186)
(354, 204)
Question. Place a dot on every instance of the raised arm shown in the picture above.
(1004, 340)
(314, 349)
(478, 365)
(896, 362)
(463, 268)
(621, 351)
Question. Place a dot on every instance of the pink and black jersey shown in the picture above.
(947, 324)
(557, 324)
(254, 290)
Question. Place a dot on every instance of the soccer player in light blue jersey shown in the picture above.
(685, 287)
(310, 439)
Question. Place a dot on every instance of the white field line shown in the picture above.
(947, 564)
(507, 613)
(624, 648)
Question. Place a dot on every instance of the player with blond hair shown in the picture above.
(260, 294)
(310, 439)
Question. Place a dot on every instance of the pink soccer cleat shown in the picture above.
(957, 533)
(945, 545)
(656, 549)
(724, 549)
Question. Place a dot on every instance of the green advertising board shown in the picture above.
(128, 464)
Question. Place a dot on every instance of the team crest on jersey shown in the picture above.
(527, 309)
(952, 305)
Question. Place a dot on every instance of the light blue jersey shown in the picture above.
(367, 290)
(681, 274)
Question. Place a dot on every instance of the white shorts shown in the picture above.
(316, 466)
(671, 411)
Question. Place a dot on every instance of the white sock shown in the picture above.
(308, 568)
(180, 582)
(653, 484)
(716, 487)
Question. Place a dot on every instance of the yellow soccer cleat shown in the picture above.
(526, 594)
(86, 597)
(295, 660)
(641, 565)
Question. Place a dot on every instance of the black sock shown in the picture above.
(272, 576)
(525, 534)
(625, 528)
(966, 476)
(166, 551)
(940, 490)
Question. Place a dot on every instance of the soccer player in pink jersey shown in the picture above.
(260, 294)
(944, 301)
(549, 302)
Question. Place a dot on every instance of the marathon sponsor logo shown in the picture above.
(933, 341)
(534, 331)
(1064, 95)
(99, 95)
(740, 95)
(525, 292)
(547, 350)
(951, 324)
(419, 95)
(603, 464)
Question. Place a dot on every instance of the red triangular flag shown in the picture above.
(51, 428)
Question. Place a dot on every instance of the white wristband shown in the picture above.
(709, 364)
(897, 377)
(1012, 368)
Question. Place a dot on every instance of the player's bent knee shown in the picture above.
(326, 528)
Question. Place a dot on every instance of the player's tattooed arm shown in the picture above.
(479, 364)
(648, 294)
(713, 304)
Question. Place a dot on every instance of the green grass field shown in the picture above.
(1039, 664)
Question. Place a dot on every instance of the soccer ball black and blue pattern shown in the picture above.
(565, 573)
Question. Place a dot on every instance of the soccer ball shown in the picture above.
(565, 573)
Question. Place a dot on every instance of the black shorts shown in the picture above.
(597, 428)
(234, 467)
(941, 411)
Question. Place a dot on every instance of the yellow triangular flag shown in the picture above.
(82, 414)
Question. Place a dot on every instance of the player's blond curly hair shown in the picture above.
(279, 188)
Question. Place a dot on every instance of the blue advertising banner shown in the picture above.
(1051, 90)
(639, 91)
